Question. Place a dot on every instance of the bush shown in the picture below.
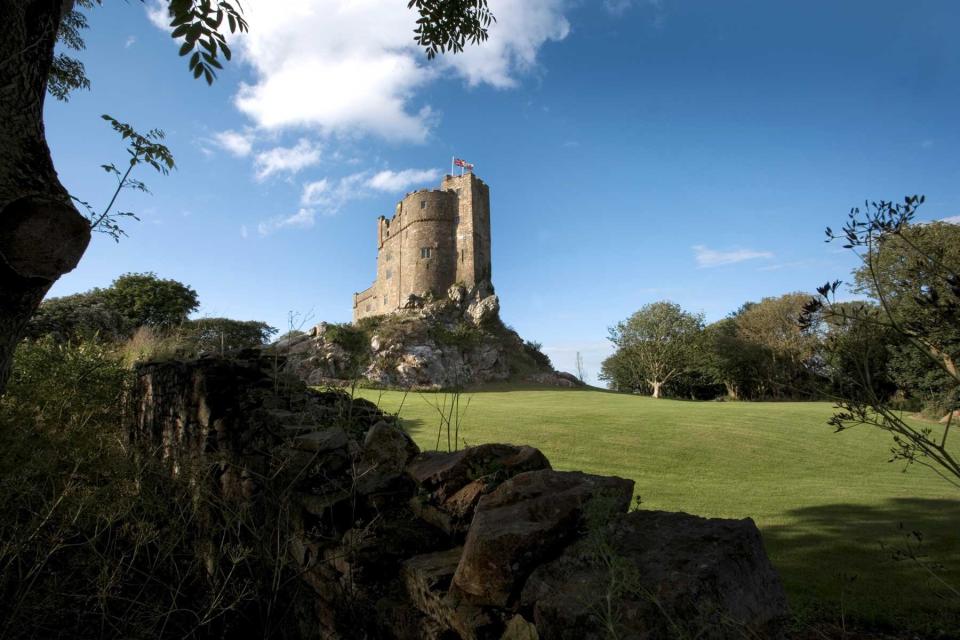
(96, 540)
(534, 350)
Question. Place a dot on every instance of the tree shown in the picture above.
(786, 354)
(218, 335)
(917, 290)
(42, 235)
(581, 371)
(654, 345)
(143, 299)
(733, 361)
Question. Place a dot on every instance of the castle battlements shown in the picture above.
(436, 238)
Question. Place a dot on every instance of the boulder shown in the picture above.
(322, 440)
(444, 474)
(669, 575)
(427, 580)
(383, 457)
(451, 484)
(481, 310)
(525, 521)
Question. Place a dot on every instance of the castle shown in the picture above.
(434, 240)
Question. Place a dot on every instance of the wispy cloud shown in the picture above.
(286, 159)
(401, 180)
(129, 42)
(951, 220)
(237, 143)
(332, 194)
(708, 258)
(304, 218)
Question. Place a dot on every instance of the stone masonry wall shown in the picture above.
(485, 543)
(434, 240)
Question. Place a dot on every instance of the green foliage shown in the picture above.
(450, 24)
(197, 24)
(462, 335)
(218, 335)
(781, 351)
(112, 314)
(143, 299)
(78, 317)
(64, 385)
(67, 73)
(355, 341)
(535, 351)
(913, 274)
(98, 542)
(142, 149)
(654, 345)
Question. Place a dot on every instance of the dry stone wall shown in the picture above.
(485, 543)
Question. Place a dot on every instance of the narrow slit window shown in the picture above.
(426, 252)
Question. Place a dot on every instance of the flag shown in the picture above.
(463, 163)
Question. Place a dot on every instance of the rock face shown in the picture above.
(484, 543)
(456, 341)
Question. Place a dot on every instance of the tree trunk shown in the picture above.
(42, 236)
(731, 390)
(656, 388)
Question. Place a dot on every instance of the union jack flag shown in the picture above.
(463, 163)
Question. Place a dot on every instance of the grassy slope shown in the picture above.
(825, 502)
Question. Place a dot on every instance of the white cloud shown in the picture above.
(302, 219)
(159, 14)
(352, 66)
(951, 220)
(238, 144)
(330, 194)
(286, 159)
(400, 180)
(129, 42)
(707, 257)
(315, 192)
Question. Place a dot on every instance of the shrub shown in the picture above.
(96, 540)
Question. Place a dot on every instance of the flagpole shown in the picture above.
(451, 164)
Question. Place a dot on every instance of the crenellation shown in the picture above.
(437, 237)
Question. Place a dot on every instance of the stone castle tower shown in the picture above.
(434, 240)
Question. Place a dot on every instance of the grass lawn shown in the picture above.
(826, 503)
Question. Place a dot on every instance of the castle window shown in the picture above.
(462, 254)
(425, 252)
(423, 204)
(389, 274)
(384, 300)
(388, 257)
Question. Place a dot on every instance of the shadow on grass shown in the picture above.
(865, 563)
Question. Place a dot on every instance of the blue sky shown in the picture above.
(636, 150)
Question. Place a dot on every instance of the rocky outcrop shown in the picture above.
(456, 341)
(484, 543)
